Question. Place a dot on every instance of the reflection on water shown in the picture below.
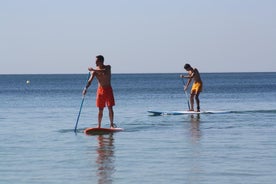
(195, 128)
(196, 170)
(105, 159)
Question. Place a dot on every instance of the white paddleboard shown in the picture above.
(159, 113)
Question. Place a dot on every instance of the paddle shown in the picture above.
(186, 93)
(75, 130)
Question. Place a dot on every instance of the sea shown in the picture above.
(38, 114)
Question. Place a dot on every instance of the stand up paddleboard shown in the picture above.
(159, 113)
(97, 131)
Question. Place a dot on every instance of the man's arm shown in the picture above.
(106, 68)
(187, 85)
(95, 70)
(89, 82)
(190, 77)
(187, 76)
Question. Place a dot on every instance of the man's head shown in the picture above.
(99, 60)
(187, 67)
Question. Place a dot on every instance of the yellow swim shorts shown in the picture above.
(196, 88)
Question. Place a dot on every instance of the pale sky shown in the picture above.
(138, 36)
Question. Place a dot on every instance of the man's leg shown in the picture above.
(192, 101)
(197, 102)
(111, 116)
(100, 117)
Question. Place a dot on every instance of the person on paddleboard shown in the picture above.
(105, 95)
(193, 74)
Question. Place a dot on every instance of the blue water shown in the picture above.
(38, 143)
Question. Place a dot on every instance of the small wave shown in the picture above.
(162, 113)
(271, 111)
(80, 130)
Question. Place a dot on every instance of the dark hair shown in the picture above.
(187, 66)
(100, 57)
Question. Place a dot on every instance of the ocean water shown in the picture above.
(38, 143)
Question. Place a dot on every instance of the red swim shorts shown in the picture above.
(105, 97)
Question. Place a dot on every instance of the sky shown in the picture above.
(145, 36)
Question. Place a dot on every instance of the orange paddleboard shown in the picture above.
(97, 131)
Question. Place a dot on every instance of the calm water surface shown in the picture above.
(38, 144)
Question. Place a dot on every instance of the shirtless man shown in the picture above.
(197, 85)
(104, 93)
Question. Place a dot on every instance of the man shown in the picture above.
(104, 92)
(193, 74)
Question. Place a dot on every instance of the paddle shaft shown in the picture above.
(188, 102)
(75, 130)
(76, 125)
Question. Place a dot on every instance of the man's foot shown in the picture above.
(191, 110)
(198, 109)
(113, 125)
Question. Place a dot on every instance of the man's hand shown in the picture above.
(84, 91)
(185, 88)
